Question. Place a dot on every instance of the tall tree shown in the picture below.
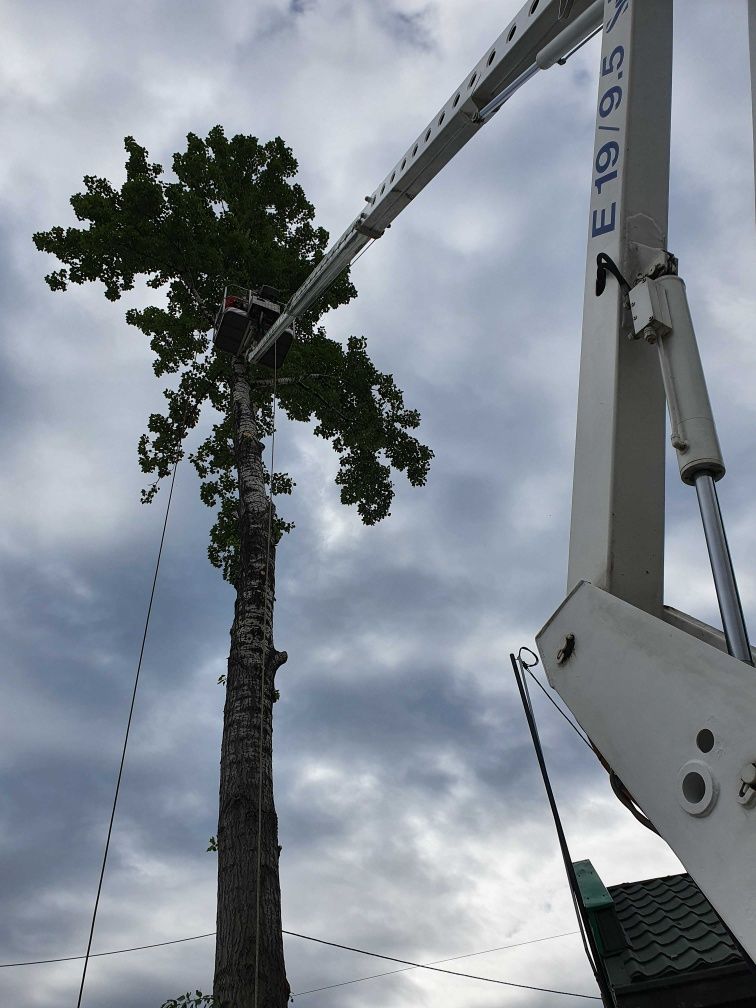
(230, 213)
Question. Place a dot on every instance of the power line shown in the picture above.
(406, 963)
(126, 736)
(93, 955)
(405, 969)
(437, 969)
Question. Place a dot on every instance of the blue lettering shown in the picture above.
(621, 7)
(603, 227)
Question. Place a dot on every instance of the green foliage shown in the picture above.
(189, 1000)
(212, 844)
(230, 213)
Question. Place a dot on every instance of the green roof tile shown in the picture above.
(663, 945)
(671, 928)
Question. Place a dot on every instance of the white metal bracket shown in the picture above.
(674, 718)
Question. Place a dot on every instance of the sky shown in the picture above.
(412, 817)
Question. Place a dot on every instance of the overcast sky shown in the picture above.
(412, 817)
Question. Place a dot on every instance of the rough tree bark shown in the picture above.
(241, 768)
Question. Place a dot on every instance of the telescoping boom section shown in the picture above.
(667, 701)
(543, 32)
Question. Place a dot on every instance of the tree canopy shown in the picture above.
(230, 212)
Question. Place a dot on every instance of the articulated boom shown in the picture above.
(667, 701)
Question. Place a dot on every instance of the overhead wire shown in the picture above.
(437, 969)
(434, 962)
(88, 954)
(93, 955)
(211, 934)
(126, 736)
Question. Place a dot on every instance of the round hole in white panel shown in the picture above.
(694, 787)
(697, 788)
(705, 740)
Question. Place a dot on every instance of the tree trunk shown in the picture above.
(249, 918)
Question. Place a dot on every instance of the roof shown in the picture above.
(663, 944)
(671, 927)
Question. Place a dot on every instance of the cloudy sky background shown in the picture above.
(412, 817)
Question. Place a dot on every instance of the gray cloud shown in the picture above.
(411, 813)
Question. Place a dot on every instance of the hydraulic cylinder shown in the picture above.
(694, 433)
(661, 315)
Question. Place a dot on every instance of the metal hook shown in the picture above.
(522, 661)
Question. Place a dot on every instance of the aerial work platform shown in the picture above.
(246, 315)
(667, 701)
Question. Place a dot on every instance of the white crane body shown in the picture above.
(667, 701)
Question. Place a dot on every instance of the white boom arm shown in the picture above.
(669, 710)
(664, 703)
(542, 33)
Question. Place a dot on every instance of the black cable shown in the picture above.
(437, 969)
(211, 934)
(529, 669)
(549, 698)
(594, 959)
(405, 969)
(566, 717)
(348, 948)
(126, 737)
(92, 955)
(590, 952)
(617, 786)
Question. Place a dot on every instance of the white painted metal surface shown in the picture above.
(660, 310)
(674, 718)
(752, 47)
(512, 54)
(617, 530)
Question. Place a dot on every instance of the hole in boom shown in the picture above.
(705, 740)
(694, 787)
